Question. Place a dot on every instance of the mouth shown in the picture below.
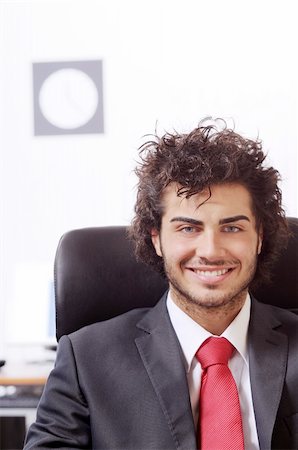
(211, 275)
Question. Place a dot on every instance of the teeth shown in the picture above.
(211, 273)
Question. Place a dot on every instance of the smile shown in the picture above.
(211, 273)
(210, 276)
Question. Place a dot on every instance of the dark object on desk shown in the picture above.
(97, 277)
(12, 433)
(2, 362)
(20, 396)
(51, 347)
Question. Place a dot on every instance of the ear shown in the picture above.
(155, 238)
(260, 241)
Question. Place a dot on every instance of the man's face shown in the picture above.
(209, 245)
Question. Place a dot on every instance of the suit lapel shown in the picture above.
(161, 355)
(267, 362)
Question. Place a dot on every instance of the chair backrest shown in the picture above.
(97, 277)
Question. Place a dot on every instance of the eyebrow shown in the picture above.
(199, 222)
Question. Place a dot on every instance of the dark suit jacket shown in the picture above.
(121, 384)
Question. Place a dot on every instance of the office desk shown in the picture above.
(21, 385)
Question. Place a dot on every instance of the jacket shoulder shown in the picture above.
(121, 327)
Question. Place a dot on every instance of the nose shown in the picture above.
(210, 246)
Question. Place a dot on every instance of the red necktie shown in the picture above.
(220, 424)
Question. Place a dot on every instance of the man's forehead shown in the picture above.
(175, 189)
(233, 197)
(180, 191)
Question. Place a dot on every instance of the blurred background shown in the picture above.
(81, 83)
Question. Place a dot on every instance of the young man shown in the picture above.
(208, 216)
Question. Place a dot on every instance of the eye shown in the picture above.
(231, 229)
(188, 229)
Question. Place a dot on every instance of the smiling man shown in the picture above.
(209, 217)
(209, 252)
(208, 367)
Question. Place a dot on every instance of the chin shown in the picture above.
(212, 300)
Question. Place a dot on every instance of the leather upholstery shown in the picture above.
(97, 277)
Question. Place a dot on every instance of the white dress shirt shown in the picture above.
(191, 335)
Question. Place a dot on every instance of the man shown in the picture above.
(208, 216)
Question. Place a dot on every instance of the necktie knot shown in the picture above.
(214, 351)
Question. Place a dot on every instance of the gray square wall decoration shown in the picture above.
(68, 97)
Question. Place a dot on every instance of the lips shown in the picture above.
(211, 273)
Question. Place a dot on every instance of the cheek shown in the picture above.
(177, 251)
(246, 249)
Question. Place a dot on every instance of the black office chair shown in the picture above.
(97, 277)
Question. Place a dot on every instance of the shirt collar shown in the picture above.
(191, 335)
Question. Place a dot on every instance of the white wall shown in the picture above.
(164, 61)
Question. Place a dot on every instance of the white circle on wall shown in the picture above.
(68, 98)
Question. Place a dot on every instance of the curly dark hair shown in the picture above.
(208, 155)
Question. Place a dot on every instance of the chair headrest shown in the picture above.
(97, 277)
